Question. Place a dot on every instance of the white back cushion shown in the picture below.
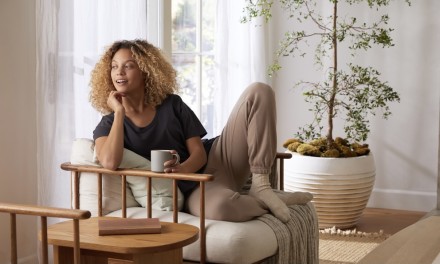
(136, 193)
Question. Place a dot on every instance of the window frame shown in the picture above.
(200, 55)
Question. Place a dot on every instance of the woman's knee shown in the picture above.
(261, 90)
(218, 203)
(223, 207)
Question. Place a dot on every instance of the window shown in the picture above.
(186, 28)
(193, 42)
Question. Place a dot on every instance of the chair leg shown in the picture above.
(13, 239)
(76, 248)
(44, 250)
(202, 224)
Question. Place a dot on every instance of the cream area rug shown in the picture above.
(346, 247)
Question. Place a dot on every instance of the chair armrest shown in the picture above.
(43, 212)
(138, 172)
(283, 155)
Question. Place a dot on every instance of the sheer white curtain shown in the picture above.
(438, 168)
(242, 55)
(73, 34)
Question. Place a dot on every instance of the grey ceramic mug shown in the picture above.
(159, 157)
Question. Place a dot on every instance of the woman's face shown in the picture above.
(125, 73)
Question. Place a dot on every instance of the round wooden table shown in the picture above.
(165, 247)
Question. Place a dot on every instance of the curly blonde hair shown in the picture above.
(160, 76)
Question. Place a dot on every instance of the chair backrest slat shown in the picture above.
(175, 197)
(99, 194)
(149, 198)
(124, 196)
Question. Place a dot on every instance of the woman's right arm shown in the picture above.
(109, 148)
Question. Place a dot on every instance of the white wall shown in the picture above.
(406, 145)
(18, 179)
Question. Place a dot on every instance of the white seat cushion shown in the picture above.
(226, 242)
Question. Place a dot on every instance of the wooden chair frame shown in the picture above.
(76, 171)
(43, 213)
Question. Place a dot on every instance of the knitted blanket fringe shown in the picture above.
(297, 239)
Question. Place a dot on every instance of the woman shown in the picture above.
(135, 86)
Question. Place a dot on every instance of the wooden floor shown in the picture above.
(389, 220)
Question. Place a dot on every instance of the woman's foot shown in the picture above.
(291, 198)
(261, 190)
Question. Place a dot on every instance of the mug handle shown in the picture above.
(177, 158)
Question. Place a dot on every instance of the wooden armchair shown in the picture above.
(77, 170)
(123, 173)
(43, 213)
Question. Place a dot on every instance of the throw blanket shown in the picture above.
(297, 239)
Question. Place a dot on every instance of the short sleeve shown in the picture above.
(103, 127)
(189, 122)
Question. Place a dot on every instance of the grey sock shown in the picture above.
(262, 190)
(291, 198)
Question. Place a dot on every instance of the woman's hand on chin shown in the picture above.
(114, 101)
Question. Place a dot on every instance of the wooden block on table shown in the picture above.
(126, 226)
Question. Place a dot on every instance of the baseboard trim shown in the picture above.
(434, 212)
(403, 200)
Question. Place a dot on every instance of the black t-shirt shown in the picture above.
(172, 125)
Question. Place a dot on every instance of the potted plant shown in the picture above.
(339, 171)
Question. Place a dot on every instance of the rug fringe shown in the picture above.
(333, 231)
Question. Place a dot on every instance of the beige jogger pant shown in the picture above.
(246, 145)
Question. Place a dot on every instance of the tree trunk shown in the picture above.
(331, 103)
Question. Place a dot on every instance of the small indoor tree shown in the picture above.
(351, 92)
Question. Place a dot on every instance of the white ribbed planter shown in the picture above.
(341, 186)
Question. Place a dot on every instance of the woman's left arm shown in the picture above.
(196, 160)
